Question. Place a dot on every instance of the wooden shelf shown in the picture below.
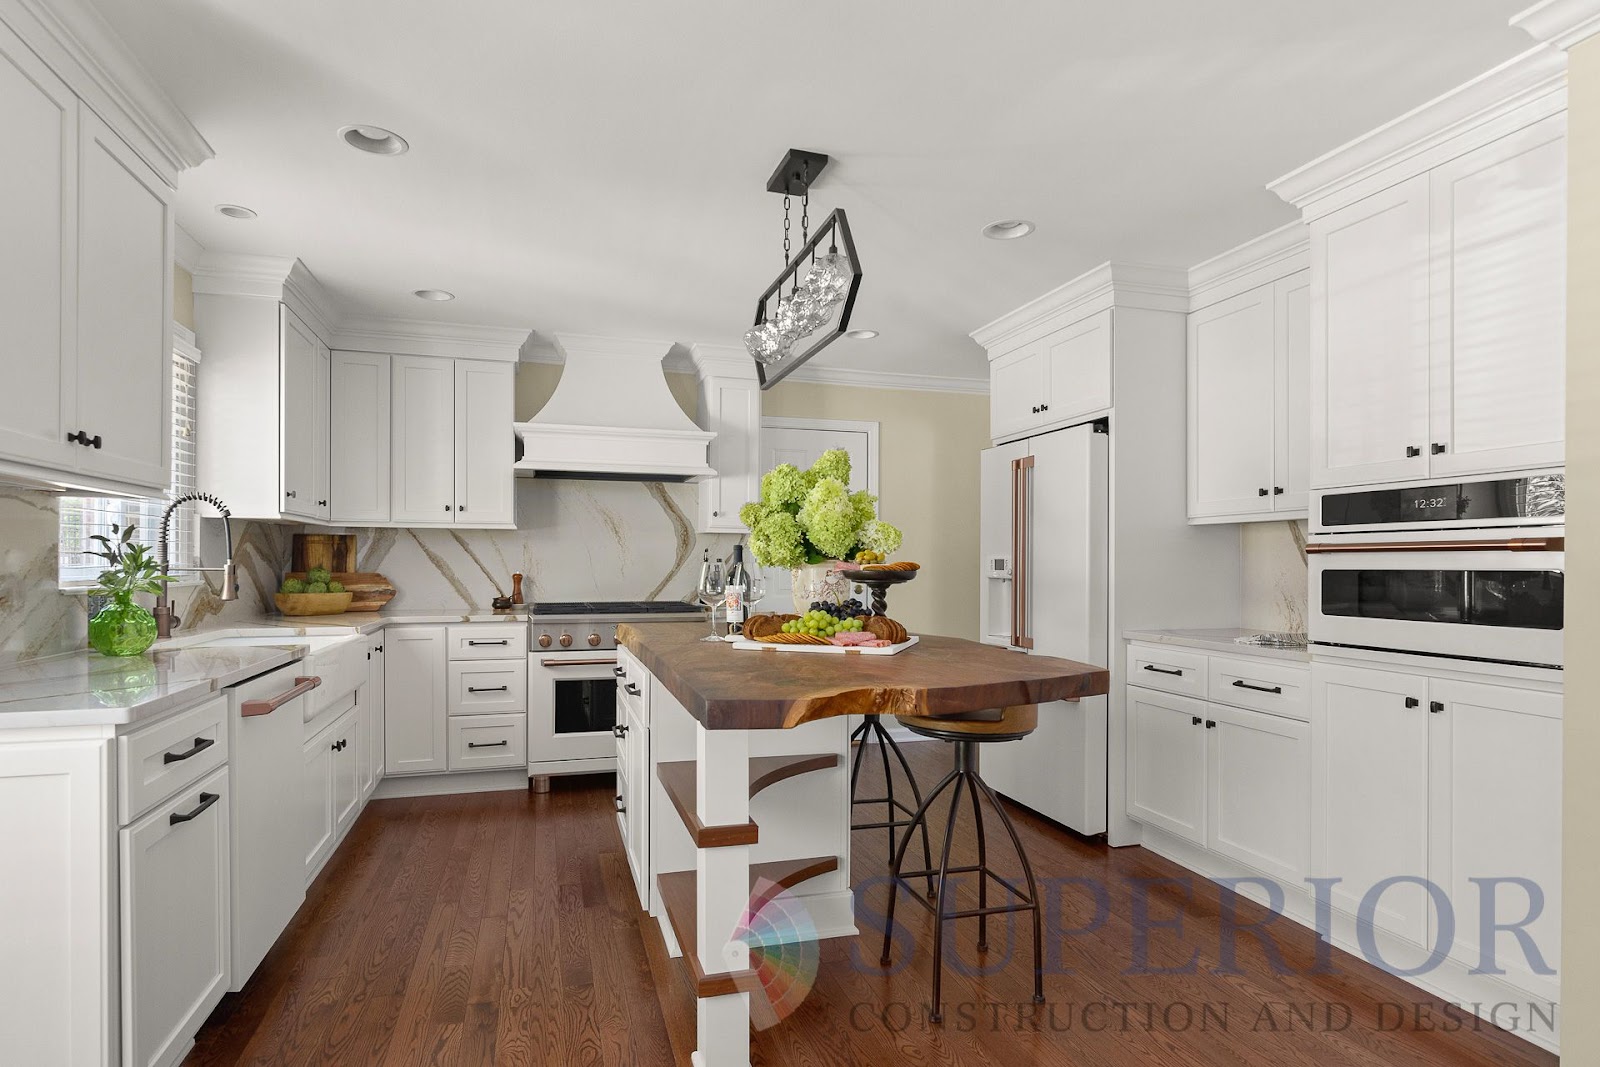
(678, 898)
(678, 779)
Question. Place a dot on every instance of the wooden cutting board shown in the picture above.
(372, 591)
(336, 552)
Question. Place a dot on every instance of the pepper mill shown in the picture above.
(516, 589)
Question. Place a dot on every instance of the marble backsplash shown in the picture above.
(1273, 574)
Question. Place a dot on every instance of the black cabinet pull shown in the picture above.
(1277, 690)
(447, 507)
(622, 808)
(95, 440)
(1277, 490)
(1194, 720)
(631, 689)
(199, 746)
(322, 503)
(488, 744)
(1162, 670)
(1211, 724)
(1412, 702)
(503, 642)
(488, 689)
(1438, 449)
(619, 731)
(1036, 409)
(1044, 407)
(206, 800)
(1436, 706)
(380, 648)
(1261, 492)
(461, 507)
(289, 493)
(619, 672)
(1412, 451)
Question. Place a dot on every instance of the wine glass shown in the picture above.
(757, 590)
(713, 585)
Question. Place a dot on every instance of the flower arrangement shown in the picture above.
(811, 516)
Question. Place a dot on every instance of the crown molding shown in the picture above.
(421, 337)
(722, 361)
(1126, 285)
(1560, 23)
(1519, 91)
(1275, 254)
(860, 378)
(269, 278)
(77, 43)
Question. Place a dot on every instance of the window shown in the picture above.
(84, 516)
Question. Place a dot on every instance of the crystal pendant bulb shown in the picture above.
(764, 343)
(829, 278)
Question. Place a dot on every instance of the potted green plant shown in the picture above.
(123, 627)
(809, 520)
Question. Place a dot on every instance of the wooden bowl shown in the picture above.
(313, 603)
(371, 590)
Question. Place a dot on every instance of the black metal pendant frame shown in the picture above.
(835, 230)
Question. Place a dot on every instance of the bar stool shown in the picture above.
(872, 730)
(967, 732)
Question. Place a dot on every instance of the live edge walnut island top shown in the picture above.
(734, 689)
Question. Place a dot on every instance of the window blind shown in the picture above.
(84, 516)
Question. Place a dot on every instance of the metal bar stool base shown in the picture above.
(871, 729)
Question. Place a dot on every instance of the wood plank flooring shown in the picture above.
(503, 928)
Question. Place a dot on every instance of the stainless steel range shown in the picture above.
(572, 687)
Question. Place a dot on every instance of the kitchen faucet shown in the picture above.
(166, 618)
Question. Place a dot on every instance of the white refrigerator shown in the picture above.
(1045, 568)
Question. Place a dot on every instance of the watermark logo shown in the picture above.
(784, 951)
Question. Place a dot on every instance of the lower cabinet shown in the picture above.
(415, 687)
(333, 762)
(1167, 762)
(175, 921)
(633, 791)
(488, 742)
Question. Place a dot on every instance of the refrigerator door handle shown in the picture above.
(1021, 548)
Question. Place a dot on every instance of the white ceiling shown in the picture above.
(581, 165)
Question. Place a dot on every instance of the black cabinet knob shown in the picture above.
(1412, 451)
(1194, 720)
(1412, 702)
(289, 493)
(1277, 490)
(1211, 724)
(322, 503)
(1436, 706)
(1044, 407)
(1438, 448)
(1261, 492)
(447, 507)
(1036, 409)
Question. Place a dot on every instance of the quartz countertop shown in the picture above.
(88, 689)
(364, 622)
(1221, 640)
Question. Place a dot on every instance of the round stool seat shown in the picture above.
(992, 724)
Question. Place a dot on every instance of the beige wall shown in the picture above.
(182, 297)
(1580, 949)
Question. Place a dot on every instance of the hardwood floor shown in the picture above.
(503, 928)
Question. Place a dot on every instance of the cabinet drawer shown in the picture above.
(157, 761)
(482, 742)
(1169, 670)
(488, 687)
(1261, 685)
(488, 640)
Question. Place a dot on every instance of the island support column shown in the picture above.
(722, 895)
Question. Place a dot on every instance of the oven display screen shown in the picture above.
(1430, 503)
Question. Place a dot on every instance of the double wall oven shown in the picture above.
(1466, 570)
(572, 684)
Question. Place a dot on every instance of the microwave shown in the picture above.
(1504, 502)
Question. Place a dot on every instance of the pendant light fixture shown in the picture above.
(807, 307)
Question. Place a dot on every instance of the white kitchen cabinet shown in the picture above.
(730, 407)
(1369, 791)
(1494, 782)
(332, 768)
(485, 480)
(1167, 762)
(415, 688)
(349, 767)
(1055, 380)
(423, 430)
(304, 410)
(359, 480)
(371, 700)
(1258, 774)
(1247, 394)
(633, 790)
(1369, 339)
(175, 921)
(316, 801)
(1016, 389)
(1498, 266)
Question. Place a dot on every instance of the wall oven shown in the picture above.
(1467, 570)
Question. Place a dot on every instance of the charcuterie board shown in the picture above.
(886, 650)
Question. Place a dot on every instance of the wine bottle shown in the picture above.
(737, 594)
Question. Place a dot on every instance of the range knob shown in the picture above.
(544, 640)
(566, 640)
(594, 640)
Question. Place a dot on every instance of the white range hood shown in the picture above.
(612, 416)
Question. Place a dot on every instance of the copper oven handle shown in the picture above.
(1515, 544)
(303, 684)
(578, 662)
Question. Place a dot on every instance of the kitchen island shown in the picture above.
(756, 719)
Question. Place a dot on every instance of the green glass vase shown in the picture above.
(122, 628)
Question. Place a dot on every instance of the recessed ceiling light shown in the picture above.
(861, 335)
(1008, 229)
(234, 211)
(374, 139)
(433, 294)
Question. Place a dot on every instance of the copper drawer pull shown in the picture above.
(576, 662)
(302, 685)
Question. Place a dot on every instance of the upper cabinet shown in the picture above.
(453, 443)
(360, 435)
(730, 407)
(1057, 379)
(303, 409)
(1438, 282)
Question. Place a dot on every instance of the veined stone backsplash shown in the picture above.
(38, 619)
(1273, 570)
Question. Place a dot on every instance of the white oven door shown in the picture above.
(572, 705)
(1467, 602)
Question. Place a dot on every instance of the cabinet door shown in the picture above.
(1016, 391)
(175, 921)
(485, 482)
(321, 417)
(1291, 447)
(297, 413)
(414, 699)
(1495, 781)
(1369, 795)
(349, 762)
(38, 216)
(359, 481)
(1499, 270)
(1258, 807)
(1231, 385)
(636, 755)
(1369, 339)
(122, 377)
(1077, 370)
(1167, 762)
(316, 799)
(373, 696)
(423, 431)
(730, 408)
